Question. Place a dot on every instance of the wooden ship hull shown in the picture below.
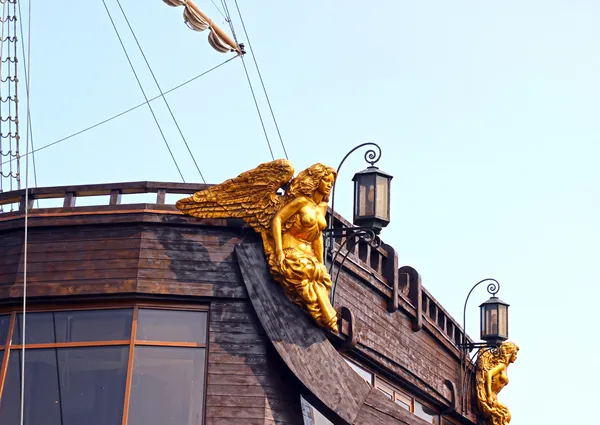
(395, 360)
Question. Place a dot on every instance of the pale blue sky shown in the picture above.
(487, 113)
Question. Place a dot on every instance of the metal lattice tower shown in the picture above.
(10, 170)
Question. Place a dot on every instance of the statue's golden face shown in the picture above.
(326, 184)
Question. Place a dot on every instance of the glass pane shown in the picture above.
(93, 325)
(319, 419)
(10, 403)
(382, 198)
(75, 326)
(426, 413)
(311, 415)
(403, 400)
(39, 328)
(171, 325)
(385, 389)
(364, 374)
(482, 323)
(403, 404)
(4, 328)
(366, 195)
(502, 322)
(167, 386)
(491, 316)
(91, 391)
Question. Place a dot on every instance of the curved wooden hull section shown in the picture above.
(344, 396)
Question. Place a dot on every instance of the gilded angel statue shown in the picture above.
(490, 378)
(291, 226)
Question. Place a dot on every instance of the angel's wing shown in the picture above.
(251, 196)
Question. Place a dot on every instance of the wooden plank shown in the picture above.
(238, 348)
(70, 275)
(199, 273)
(76, 287)
(174, 287)
(56, 266)
(249, 390)
(236, 358)
(239, 380)
(78, 256)
(234, 327)
(239, 400)
(244, 413)
(75, 245)
(233, 421)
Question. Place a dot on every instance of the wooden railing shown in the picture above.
(409, 289)
(70, 194)
(371, 262)
(439, 317)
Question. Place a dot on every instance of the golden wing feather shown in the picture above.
(251, 196)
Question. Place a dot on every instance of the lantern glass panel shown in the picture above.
(490, 323)
(383, 201)
(482, 323)
(503, 321)
(366, 195)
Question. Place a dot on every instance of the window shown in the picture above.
(109, 366)
(364, 374)
(311, 415)
(406, 401)
(395, 394)
(426, 413)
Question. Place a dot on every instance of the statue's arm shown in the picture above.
(318, 243)
(283, 215)
(318, 248)
(490, 375)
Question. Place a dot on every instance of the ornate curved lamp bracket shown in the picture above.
(350, 233)
(493, 287)
(371, 156)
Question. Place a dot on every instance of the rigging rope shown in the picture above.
(1, 62)
(219, 10)
(28, 125)
(161, 92)
(143, 91)
(9, 139)
(262, 123)
(77, 133)
(258, 109)
(260, 77)
(25, 251)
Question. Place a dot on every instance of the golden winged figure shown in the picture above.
(291, 226)
(491, 377)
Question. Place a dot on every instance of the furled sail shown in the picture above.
(195, 19)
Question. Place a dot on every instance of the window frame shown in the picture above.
(132, 342)
(397, 394)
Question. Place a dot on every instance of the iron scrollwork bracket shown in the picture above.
(354, 234)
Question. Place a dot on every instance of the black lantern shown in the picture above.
(494, 321)
(372, 198)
